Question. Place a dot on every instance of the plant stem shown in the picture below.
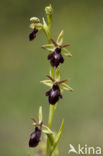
(51, 107)
(51, 114)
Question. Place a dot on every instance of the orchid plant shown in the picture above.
(56, 52)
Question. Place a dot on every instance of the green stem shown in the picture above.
(51, 114)
(52, 107)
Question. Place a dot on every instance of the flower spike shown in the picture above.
(56, 85)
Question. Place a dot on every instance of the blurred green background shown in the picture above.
(23, 64)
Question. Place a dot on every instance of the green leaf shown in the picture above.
(46, 29)
(66, 52)
(44, 23)
(51, 139)
(60, 38)
(45, 26)
(57, 74)
(47, 83)
(56, 151)
(57, 137)
(49, 47)
(28, 154)
(66, 87)
(40, 114)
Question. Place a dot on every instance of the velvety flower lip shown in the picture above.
(56, 58)
(32, 35)
(35, 137)
(54, 94)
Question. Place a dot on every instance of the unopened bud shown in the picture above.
(49, 10)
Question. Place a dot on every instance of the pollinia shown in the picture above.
(56, 53)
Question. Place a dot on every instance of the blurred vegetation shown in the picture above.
(23, 64)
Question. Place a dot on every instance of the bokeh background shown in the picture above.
(23, 64)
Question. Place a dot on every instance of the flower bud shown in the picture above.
(34, 20)
(49, 10)
(54, 94)
(35, 137)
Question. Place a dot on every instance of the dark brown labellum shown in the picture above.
(35, 137)
(54, 94)
(55, 57)
(32, 35)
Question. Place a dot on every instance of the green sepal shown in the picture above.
(49, 47)
(60, 38)
(66, 87)
(37, 26)
(57, 74)
(66, 52)
(47, 83)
